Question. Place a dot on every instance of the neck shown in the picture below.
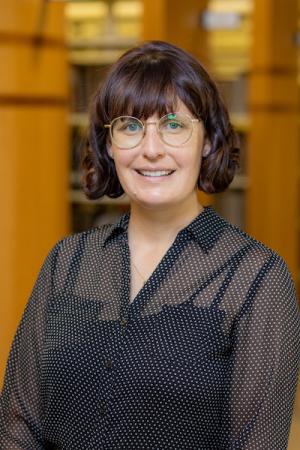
(160, 226)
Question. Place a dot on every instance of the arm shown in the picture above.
(265, 363)
(21, 408)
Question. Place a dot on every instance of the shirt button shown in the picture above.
(123, 322)
(108, 363)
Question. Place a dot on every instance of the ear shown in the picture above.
(206, 148)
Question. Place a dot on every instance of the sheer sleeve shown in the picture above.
(21, 407)
(265, 362)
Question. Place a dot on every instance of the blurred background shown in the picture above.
(53, 55)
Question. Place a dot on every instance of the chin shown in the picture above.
(153, 204)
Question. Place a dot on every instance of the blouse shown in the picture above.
(206, 357)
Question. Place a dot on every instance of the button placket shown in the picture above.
(102, 408)
(108, 363)
(123, 321)
(123, 324)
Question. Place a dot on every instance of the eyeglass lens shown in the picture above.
(174, 129)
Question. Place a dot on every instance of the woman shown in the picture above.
(172, 328)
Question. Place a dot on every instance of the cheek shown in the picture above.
(124, 164)
(190, 158)
(123, 159)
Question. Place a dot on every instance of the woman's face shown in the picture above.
(153, 154)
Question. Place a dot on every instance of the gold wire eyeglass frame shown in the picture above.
(144, 126)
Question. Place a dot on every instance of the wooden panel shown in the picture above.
(274, 28)
(34, 199)
(29, 71)
(34, 151)
(273, 189)
(25, 17)
(178, 22)
(155, 18)
(273, 161)
(274, 90)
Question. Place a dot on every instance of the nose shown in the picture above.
(152, 145)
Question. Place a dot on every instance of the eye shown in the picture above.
(133, 126)
(130, 127)
(173, 125)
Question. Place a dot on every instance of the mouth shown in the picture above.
(155, 175)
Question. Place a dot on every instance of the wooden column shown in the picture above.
(34, 150)
(272, 209)
(178, 22)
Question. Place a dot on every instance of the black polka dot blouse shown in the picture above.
(206, 357)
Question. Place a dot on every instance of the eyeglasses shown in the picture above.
(174, 129)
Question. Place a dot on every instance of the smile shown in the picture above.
(155, 174)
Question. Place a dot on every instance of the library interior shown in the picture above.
(54, 54)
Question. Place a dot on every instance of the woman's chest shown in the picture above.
(185, 340)
(95, 369)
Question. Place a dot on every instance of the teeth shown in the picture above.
(157, 173)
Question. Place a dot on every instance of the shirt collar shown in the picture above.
(205, 228)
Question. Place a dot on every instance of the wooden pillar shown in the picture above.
(34, 150)
(178, 22)
(272, 207)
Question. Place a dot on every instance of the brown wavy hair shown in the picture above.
(145, 80)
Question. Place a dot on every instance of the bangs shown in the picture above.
(145, 89)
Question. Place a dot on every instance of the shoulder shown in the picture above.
(235, 237)
(259, 255)
(80, 244)
(77, 252)
(262, 272)
(92, 236)
(87, 240)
